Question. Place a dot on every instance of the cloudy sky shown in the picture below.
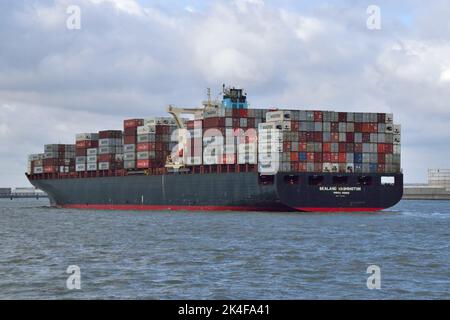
(131, 58)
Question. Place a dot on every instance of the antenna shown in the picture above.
(208, 90)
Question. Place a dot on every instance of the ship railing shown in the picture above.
(201, 169)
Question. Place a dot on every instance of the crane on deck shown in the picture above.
(198, 113)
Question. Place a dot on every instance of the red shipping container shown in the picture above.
(132, 123)
(318, 136)
(159, 146)
(309, 136)
(326, 157)
(317, 157)
(381, 158)
(334, 157)
(294, 156)
(250, 122)
(342, 157)
(342, 147)
(143, 164)
(295, 126)
(243, 113)
(381, 148)
(366, 137)
(334, 127)
(381, 168)
(342, 116)
(326, 147)
(350, 137)
(318, 116)
(129, 139)
(335, 137)
(358, 127)
(302, 136)
(373, 127)
(310, 156)
(358, 147)
(389, 148)
(80, 152)
(302, 146)
(105, 157)
(302, 167)
(51, 169)
(381, 117)
(366, 127)
(110, 134)
(130, 131)
(145, 146)
(86, 144)
(286, 146)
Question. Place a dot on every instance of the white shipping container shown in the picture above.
(92, 151)
(91, 159)
(129, 164)
(389, 118)
(91, 166)
(80, 160)
(143, 155)
(129, 148)
(275, 116)
(86, 136)
(103, 166)
(80, 167)
(129, 156)
(106, 150)
(38, 170)
(146, 129)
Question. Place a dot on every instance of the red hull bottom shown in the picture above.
(339, 209)
(209, 208)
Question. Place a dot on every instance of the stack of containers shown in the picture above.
(110, 150)
(36, 163)
(58, 158)
(163, 127)
(326, 141)
(146, 144)
(86, 152)
(130, 141)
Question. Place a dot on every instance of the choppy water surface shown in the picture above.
(224, 255)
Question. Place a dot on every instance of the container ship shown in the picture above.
(228, 156)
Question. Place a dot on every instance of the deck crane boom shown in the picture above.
(176, 112)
